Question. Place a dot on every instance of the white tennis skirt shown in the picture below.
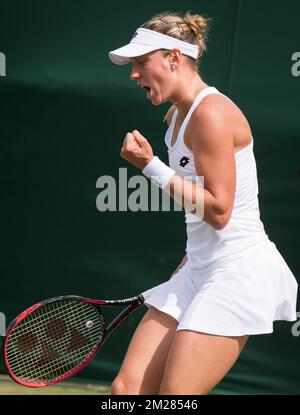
(232, 298)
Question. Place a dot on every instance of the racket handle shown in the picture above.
(121, 317)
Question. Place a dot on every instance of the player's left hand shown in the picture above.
(136, 149)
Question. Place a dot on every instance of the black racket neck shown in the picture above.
(121, 317)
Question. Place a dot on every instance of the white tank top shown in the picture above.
(205, 244)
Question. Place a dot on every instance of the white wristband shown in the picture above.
(158, 172)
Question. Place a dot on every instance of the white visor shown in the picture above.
(145, 41)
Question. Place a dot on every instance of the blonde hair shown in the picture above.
(191, 28)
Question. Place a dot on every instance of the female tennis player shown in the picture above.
(232, 282)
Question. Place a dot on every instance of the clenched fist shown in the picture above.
(136, 150)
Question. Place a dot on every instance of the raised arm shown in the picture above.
(212, 141)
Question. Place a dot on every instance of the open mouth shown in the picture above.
(144, 87)
(147, 88)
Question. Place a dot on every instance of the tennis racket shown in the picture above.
(56, 338)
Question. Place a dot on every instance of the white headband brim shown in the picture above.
(145, 41)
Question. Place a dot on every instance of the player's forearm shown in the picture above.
(196, 200)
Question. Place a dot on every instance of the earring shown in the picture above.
(172, 68)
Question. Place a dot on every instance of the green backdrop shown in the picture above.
(65, 109)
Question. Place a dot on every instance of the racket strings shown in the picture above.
(50, 354)
(46, 353)
(54, 340)
(28, 333)
(64, 308)
(42, 354)
(25, 338)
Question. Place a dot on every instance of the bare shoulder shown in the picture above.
(219, 116)
(214, 109)
(216, 104)
(169, 114)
